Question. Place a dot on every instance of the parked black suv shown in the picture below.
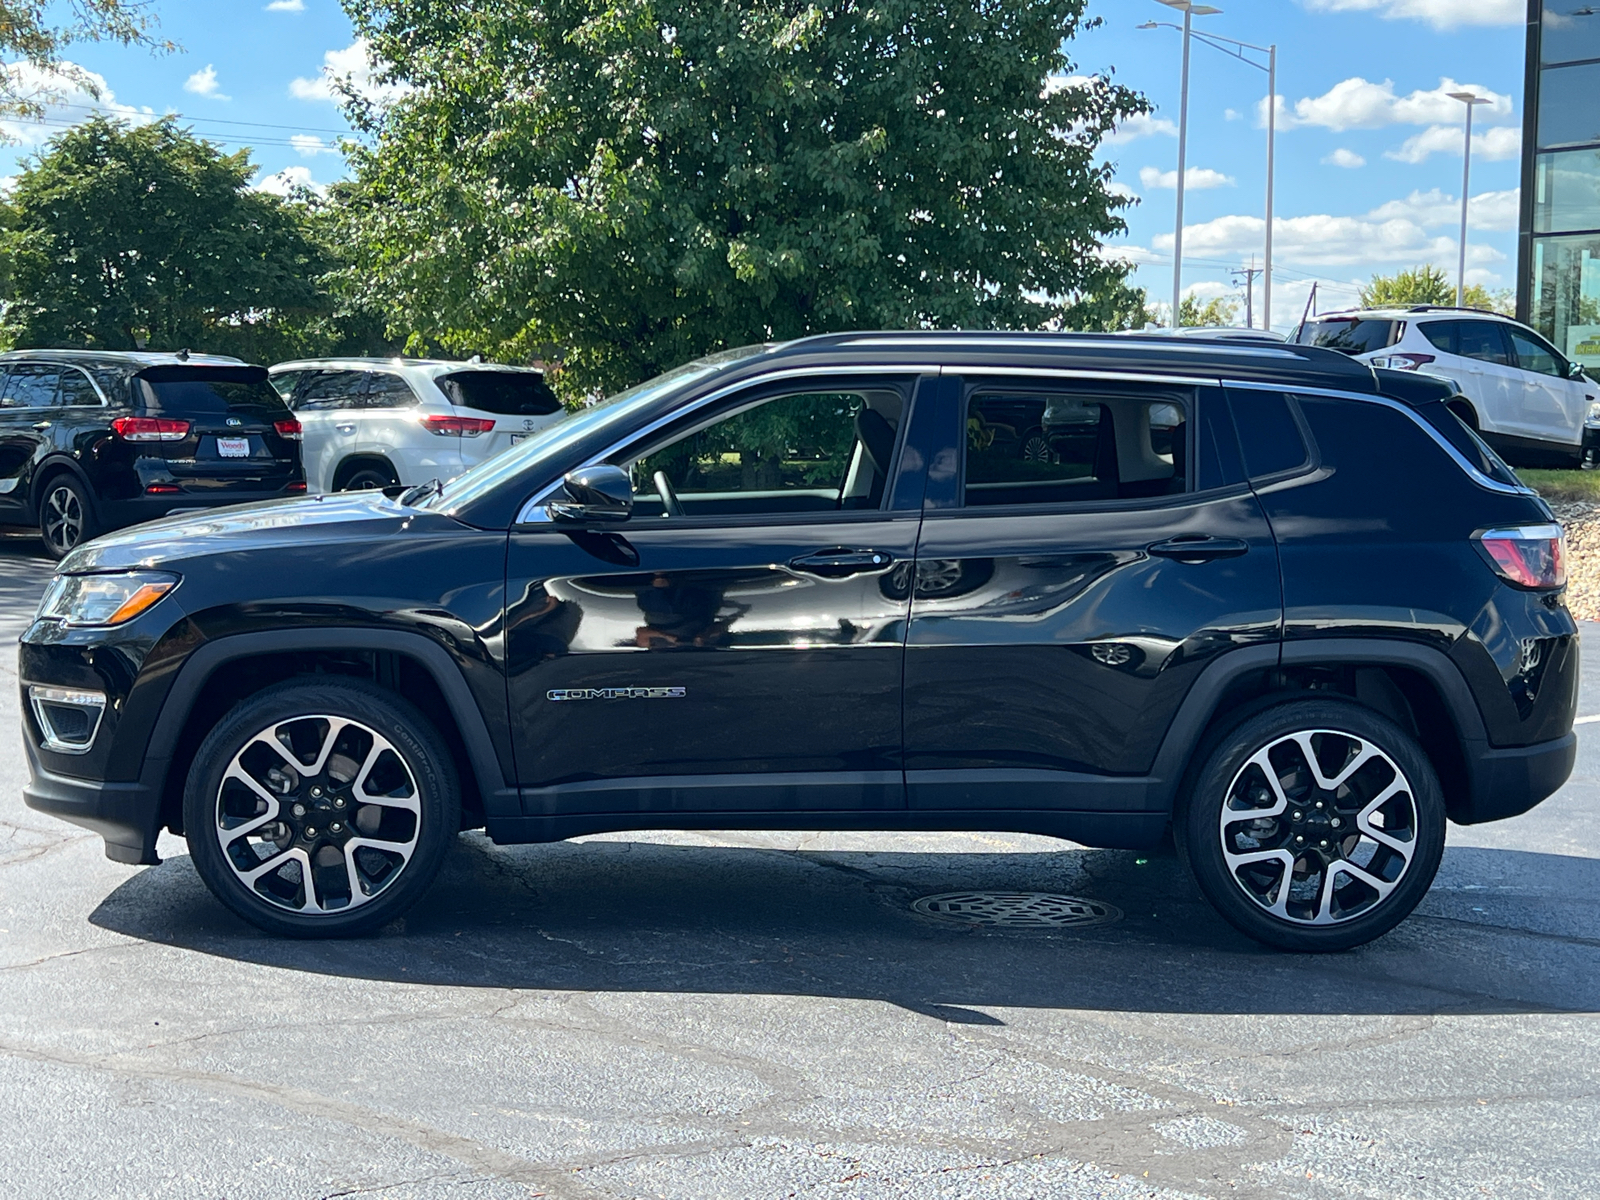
(94, 440)
(807, 586)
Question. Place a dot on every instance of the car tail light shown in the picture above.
(289, 428)
(150, 429)
(1530, 556)
(457, 426)
(1402, 362)
(161, 489)
(298, 485)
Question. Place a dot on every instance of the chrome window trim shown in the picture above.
(1477, 476)
(527, 515)
(1091, 375)
(1157, 346)
(93, 382)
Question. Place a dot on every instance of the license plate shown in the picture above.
(233, 447)
(517, 437)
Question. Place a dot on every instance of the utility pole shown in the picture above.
(1250, 274)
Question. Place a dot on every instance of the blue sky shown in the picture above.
(1369, 149)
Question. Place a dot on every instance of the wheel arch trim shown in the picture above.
(47, 469)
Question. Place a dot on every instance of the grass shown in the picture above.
(1563, 485)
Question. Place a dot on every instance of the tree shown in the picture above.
(1218, 312)
(626, 184)
(32, 31)
(120, 238)
(1429, 284)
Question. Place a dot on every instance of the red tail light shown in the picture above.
(162, 489)
(1402, 362)
(457, 426)
(1531, 556)
(150, 429)
(289, 428)
(297, 486)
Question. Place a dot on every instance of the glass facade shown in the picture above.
(1560, 252)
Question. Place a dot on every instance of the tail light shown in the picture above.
(150, 429)
(1402, 362)
(299, 485)
(288, 428)
(457, 426)
(162, 489)
(1530, 556)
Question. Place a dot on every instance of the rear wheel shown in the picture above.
(66, 519)
(1316, 825)
(368, 477)
(321, 809)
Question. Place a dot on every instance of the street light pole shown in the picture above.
(1471, 101)
(1272, 145)
(1190, 10)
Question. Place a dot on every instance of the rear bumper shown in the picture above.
(1507, 783)
(124, 814)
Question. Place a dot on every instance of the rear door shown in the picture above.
(327, 405)
(1552, 403)
(27, 392)
(738, 643)
(1066, 599)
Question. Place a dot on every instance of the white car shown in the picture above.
(1529, 403)
(375, 422)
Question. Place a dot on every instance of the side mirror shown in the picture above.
(596, 493)
(1575, 371)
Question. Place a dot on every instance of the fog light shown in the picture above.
(67, 718)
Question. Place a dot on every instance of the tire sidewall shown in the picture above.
(1201, 845)
(85, 503)
(411, 735)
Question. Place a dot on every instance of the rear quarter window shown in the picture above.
(505, 393)
(1269, 434)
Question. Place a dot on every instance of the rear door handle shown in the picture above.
(41, 424)
(839, 563)
(1192, 549)
(345, 428)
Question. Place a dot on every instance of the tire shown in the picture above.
(376, 818)
(368, 478)
(66, 516)
(1317, 815)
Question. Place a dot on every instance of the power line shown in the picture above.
(99, 108)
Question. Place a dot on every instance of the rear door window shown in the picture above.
(1269, 432)
(385, 390)
(1484, 341)
(332, 390)
(76, 390)
(505, 393)
(1441, 335)
(191, 392)
(1351, 335)
(31, 385)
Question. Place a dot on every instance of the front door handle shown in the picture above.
(41, 425)
(839, 563)
(1193, 548)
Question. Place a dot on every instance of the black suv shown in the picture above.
(93, 440)
(1286, 606)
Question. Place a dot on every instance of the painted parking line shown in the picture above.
(1586, 720)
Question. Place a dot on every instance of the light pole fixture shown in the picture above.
(1189, 10)
(1237, 49)
(1471, 100)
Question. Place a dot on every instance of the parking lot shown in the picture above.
(764, 1015)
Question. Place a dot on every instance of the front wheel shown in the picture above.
(321, 809)
(1316, 825)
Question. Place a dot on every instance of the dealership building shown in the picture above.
(1558, 289)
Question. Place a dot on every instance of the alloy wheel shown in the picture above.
(318, 814)
(63, 518)
(1319, 827)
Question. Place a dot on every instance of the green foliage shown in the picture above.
(32, 31)
(1219, 312)
(626, 184)
(1426, 284)
(795, 441)
(120, 238)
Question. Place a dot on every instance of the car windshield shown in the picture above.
(1352, 335)
(553, 440)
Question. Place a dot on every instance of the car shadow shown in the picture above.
(1502, 931)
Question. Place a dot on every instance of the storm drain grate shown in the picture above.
(1035, 910)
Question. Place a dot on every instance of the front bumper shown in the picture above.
(1507, 783)
(124, 814)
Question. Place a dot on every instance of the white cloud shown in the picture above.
(1491, 211)
(1492, 145)
(1123, 190)
(288, 180)
(1347, 159)
(1325, 241)
(67, 96)
(1358, 103)
(1195, 178)
(1142, 125)
(352, 66)
(287, 6)
(1232, 114)
(308, 145)
(1441, 14)
(204, 83)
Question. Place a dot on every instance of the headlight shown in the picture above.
(103, 599)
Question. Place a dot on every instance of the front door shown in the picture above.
(1097, 549)
(737, 644)
(1555, 406)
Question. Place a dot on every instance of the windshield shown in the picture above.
(553, 440)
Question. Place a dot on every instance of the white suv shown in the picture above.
(1527, 400)
(373, 422)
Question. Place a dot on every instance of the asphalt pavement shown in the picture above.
(764, 1015)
